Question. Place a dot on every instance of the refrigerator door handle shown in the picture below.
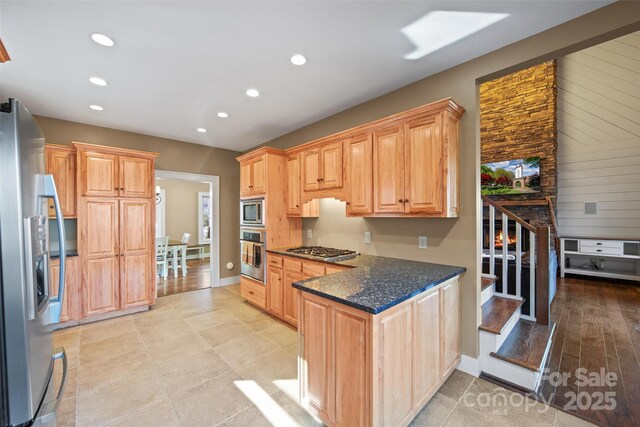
(55, 303)
(46, 414)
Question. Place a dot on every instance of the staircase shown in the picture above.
(514, 346)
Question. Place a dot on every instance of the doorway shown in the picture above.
(187, 217)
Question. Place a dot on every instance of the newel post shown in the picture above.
(542, 275)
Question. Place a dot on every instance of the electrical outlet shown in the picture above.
(367, 237)
(422, 242)
(309, 233)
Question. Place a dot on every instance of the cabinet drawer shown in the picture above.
(293, 265)
(601, 250)
(253, 292)
(313, 269)
(274, 261)
(601, 243)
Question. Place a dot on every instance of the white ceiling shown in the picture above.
(177, 63)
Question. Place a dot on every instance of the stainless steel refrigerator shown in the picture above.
(28, 312)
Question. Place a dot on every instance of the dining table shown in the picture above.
(176, 246)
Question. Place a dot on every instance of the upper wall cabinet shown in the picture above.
(252, 177)
(322, 167)
(295, 207)
(103, 172)
(61, 163)
(359, 174)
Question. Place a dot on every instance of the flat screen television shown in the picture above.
(518, 176)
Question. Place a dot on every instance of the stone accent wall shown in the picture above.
(517, 120)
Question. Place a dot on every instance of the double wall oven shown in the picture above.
(253, 252)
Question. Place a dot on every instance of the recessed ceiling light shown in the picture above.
(98, 81)
(223, 115)
(102, 39)
(96, 107)
(298, 60)
(202, 130)
(253, 93)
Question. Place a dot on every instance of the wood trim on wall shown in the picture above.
(4, 55)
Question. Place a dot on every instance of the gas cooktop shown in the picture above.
(327, 254)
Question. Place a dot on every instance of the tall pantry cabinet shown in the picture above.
(116, 222)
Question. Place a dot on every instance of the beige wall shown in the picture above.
(181, 207)
(454, 241)
(175, 156)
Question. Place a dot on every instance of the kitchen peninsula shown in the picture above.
(361, 327)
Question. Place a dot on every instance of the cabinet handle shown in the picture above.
(51, 206)
(598, 250)
(406, 200)
(599, 243)
(250, 292)
(122, 188)
(117, 255)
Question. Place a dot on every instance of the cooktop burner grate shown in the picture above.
(322, 252)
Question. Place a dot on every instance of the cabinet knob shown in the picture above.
(122, 188)
(251, 292)
(51, 206)
(117, 255)
(399, 200)
(348, 203)
(406, 200)
(297, 206)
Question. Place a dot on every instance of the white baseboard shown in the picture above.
(226, 281)
(469, 365)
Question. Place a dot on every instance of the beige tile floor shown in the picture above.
(206, 358)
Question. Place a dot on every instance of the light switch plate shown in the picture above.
(309, 233)
(422, 242)
(367, 237)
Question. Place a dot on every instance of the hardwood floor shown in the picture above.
(198, 277)
(598, 329)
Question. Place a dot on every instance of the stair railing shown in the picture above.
(538, 254)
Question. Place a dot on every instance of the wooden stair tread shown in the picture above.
(487, 281)
(526, 345)
(496, 313)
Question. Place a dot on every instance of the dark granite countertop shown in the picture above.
(375, 284)
(70, 253)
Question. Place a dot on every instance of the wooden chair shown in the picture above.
(161, 255)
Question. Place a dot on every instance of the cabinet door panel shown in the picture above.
(293, 186)
(360, 175)
(99, 174)
(312, 269)
(136, 175)
(245, 179)
(393, 373)
(425, 166)
(100, 290)
(259, 177)
(310, 170)
(134, 279)
(331, 166)
(351, 368)
(388, 171)
(275, 288)
(61, 163)
(99, 229)
(426, 347)
(451, 325)
(291, 297)
(136, 233)
(316, 357)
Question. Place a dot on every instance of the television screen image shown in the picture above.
(519, 176)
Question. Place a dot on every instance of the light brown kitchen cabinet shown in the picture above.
(322, 167)
(295, 207)
(359, 175)
(415, 168)
(291, 297)
(388, 167)
(358, 368)
(61, 163)
(71, 300)
(275, 290)
(253, 177)
(116, 230)
(110, 172)
(253, 291)
(312, 269)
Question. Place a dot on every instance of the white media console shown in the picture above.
(600, 257)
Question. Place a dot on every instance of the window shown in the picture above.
(204, 217)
